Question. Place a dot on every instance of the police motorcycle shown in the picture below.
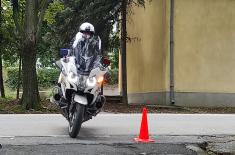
(78, 95)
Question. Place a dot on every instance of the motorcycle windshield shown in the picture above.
(86, 55)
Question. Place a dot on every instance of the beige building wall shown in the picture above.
(146, 53)
(205, 46)
(204, 53)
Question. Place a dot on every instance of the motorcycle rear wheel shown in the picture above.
(76, 120)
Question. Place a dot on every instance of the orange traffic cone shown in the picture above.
(144, 132)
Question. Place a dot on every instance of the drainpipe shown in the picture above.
(172, 92)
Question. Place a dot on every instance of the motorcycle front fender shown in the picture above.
(80, 99)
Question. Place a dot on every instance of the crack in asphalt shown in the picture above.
(196, 148)
(203, 145)
(224, 142)
(215, 140)
(211, 152)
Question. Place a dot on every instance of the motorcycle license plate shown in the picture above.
(80, 99)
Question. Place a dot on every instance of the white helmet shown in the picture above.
(87, 27)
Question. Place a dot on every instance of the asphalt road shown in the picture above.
(119, 124)
(114, 133)
(78, 149)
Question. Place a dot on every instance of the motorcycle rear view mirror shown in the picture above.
(106, 61)
(64, 52)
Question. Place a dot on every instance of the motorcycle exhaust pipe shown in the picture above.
(57, 93)
(57, 97)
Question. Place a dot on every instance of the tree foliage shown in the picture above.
(9, 43)
(42, 27)
(102, 14)
(63, 19)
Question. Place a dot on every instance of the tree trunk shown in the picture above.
(19, 79)
(1, 78)
(123, 53)
(0, 13)
(30, 97)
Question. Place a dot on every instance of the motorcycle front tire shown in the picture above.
(76, 121)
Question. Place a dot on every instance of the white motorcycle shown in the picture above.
(79, 95)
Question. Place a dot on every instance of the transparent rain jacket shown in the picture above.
(88, 54)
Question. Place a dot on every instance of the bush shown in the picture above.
(46, 77)
(113, 77)
(114, 58)
(12, 77)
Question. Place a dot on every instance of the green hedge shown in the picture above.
(113, 77)
(12, 77)
(46, 77)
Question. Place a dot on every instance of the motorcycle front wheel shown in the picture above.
(75, 121)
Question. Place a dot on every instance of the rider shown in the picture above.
(87, 48)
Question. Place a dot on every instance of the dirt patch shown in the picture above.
(121, 108)
(14, 107)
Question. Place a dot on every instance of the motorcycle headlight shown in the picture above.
(91, 82)
(100, 79)
(72, 77)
